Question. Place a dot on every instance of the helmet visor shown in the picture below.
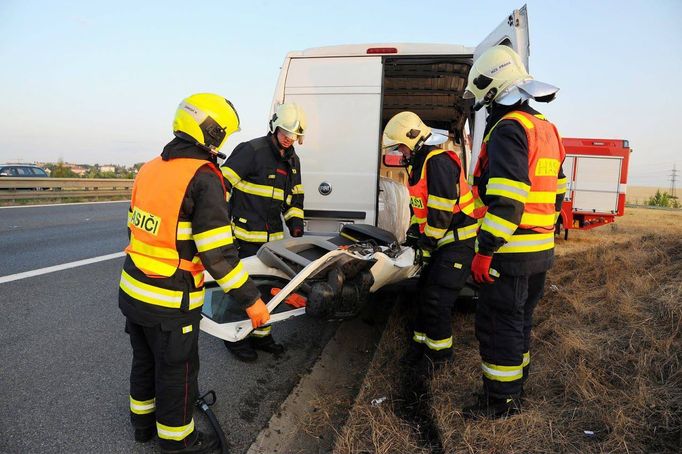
(436, 138)
(288, 134)
(536, 89)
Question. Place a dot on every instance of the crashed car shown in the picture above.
(333, 274)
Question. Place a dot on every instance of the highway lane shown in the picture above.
(66, 359)
(38, 237)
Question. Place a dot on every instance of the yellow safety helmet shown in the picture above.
(207, 118)
(499, 75)
(291, 118)
(405, 128)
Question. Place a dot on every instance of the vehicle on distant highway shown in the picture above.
(22, 170)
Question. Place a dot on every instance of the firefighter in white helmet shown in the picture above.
(264, 179)
(499, 75)
(442, 231)
(519, 187)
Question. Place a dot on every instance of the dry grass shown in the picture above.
(635, 223)
(607, 346)
(377, 428)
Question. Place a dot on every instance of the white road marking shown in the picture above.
(65, 266)
(64, 204)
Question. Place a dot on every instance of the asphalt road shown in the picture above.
(38, 237)
(66, 359)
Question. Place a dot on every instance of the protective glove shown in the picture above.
(480, 269)
(293, 299)
(296, 232)
(422, 256)
(258, 313)
(412, 236)
(426, 256)
(427, 246)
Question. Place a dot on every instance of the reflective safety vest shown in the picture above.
(545, 156)
(155, 228)
(421, 200)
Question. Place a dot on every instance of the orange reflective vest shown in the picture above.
(419, 197)
(545, 156)
(157, 196)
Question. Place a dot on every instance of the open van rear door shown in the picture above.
(513, 32)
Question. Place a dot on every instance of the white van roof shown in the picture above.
(357, 50)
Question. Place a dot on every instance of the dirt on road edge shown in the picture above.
(311, 417)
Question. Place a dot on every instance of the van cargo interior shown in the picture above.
(430, 87)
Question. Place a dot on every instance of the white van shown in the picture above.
(350, 92)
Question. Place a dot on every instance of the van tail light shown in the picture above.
(382, 50)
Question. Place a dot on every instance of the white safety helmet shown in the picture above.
(499, 75)
(405, 128)
(290, 118)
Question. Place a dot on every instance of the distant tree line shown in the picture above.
(61, 170)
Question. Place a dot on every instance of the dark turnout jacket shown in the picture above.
(264, 187)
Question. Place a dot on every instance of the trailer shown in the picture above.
(596, 180)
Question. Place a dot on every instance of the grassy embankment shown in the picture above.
(606, 354)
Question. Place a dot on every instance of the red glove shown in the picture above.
(294, 299)
(480, 269)
(258, 313)
(297, 232)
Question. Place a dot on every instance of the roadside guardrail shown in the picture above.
(63, 189)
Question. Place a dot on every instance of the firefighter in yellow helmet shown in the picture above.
(519, 186)
(178, 227)
(442, 231)
(263, 176)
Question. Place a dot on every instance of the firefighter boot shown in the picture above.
(490, 407)
(267, 344)
(203, 442)
(145, 434)
(432, 362)
(144, 426)
(242, 350)
(414, 353)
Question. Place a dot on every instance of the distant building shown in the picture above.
(77, 169)
(107, 168)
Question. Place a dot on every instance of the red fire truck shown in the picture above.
(596, 172)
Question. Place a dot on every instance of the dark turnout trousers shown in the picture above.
(438, 287)
(163, 381)
(504, 317)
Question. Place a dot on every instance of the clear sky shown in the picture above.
(98, 82)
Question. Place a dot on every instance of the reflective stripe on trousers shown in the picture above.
(432, 344)
(142, 407)
(263, 331)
